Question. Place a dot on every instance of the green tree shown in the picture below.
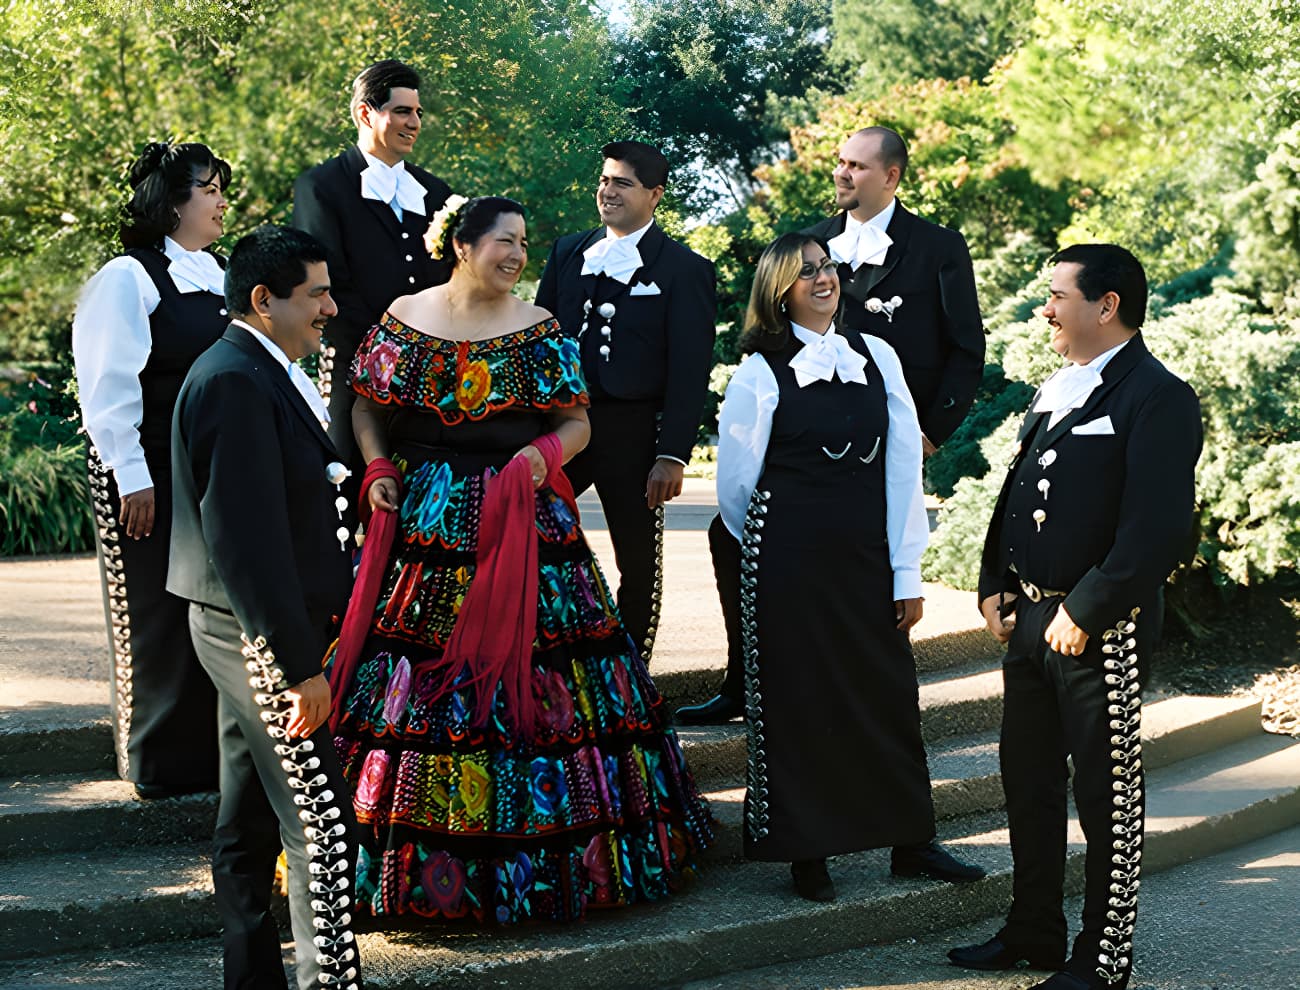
(885, 42)
(518, 101)
(709, 80)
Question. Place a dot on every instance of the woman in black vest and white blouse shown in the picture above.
(141, 322)
(819, 477)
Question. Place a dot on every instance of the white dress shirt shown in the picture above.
(745, 427)
(111, 344)
(301, 383)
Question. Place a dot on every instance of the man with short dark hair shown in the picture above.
(1094, 514)
(260, 551)
(642, 308)
(370, 208)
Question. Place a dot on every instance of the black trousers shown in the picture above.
(276, 793)
(1088, 708)
(617, 462)
(164, 707)
(725, 551)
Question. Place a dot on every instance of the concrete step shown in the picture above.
(966, 778)
(76, 812)
(735, 916)
(58, 738)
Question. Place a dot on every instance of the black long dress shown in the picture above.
(836, 762)
(164, 707)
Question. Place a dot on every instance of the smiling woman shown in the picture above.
(511, 761)
(140, 323)
(819, 478)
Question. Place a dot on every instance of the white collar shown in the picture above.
(633, 238)
(193, 271)
(297, 377)
(271, 346)
(1099, 363)
(383, 166)
(806, 336)
(881, 220)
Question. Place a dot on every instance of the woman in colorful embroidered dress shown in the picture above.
(481, 796)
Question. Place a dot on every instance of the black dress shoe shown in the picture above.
(996, 954)
(934, 861)
(718, 710)
(812, 881)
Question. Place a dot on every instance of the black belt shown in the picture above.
(1037, 594)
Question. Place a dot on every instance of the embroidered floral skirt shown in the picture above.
(465, 821)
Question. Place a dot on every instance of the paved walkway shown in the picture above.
(53, 645)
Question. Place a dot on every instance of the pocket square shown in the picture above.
(641, 289)
(1100, 427)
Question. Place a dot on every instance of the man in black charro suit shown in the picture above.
(370, 208)
(1094, 514)
(260, 550)
(642, 308)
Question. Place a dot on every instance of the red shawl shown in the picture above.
(494, 632)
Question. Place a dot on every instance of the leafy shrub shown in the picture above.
(44, 496)
(953, 555)
(961, 455)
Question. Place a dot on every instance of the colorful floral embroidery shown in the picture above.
(537, 367)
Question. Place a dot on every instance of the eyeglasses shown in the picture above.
(809, 270)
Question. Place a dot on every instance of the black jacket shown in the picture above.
(1118, 504)
(937, 331)
(254, 520)
(661, 345)
(373, 259)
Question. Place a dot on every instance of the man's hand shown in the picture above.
(927, 448)
(137, 513)
(992, 609)
(908, 612)
(309, 706)
(664, 482)
(1064, 636)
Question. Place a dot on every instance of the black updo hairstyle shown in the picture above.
(164, 177)
(475, 219)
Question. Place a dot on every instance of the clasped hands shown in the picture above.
(1062, 635)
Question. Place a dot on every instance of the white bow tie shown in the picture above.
(307, 389)
(828, 355)
(616, 257)
(197, 271)
(1068, 389)
(865, 244)
(393, 185)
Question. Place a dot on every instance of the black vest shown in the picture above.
(182, 327)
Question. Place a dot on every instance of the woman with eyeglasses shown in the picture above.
(140, 323)
(819, 477)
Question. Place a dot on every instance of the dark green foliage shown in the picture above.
(961, 455)
(44, 495)
(883, 42)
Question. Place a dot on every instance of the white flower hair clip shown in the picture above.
(435, 236)
(874, 305)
